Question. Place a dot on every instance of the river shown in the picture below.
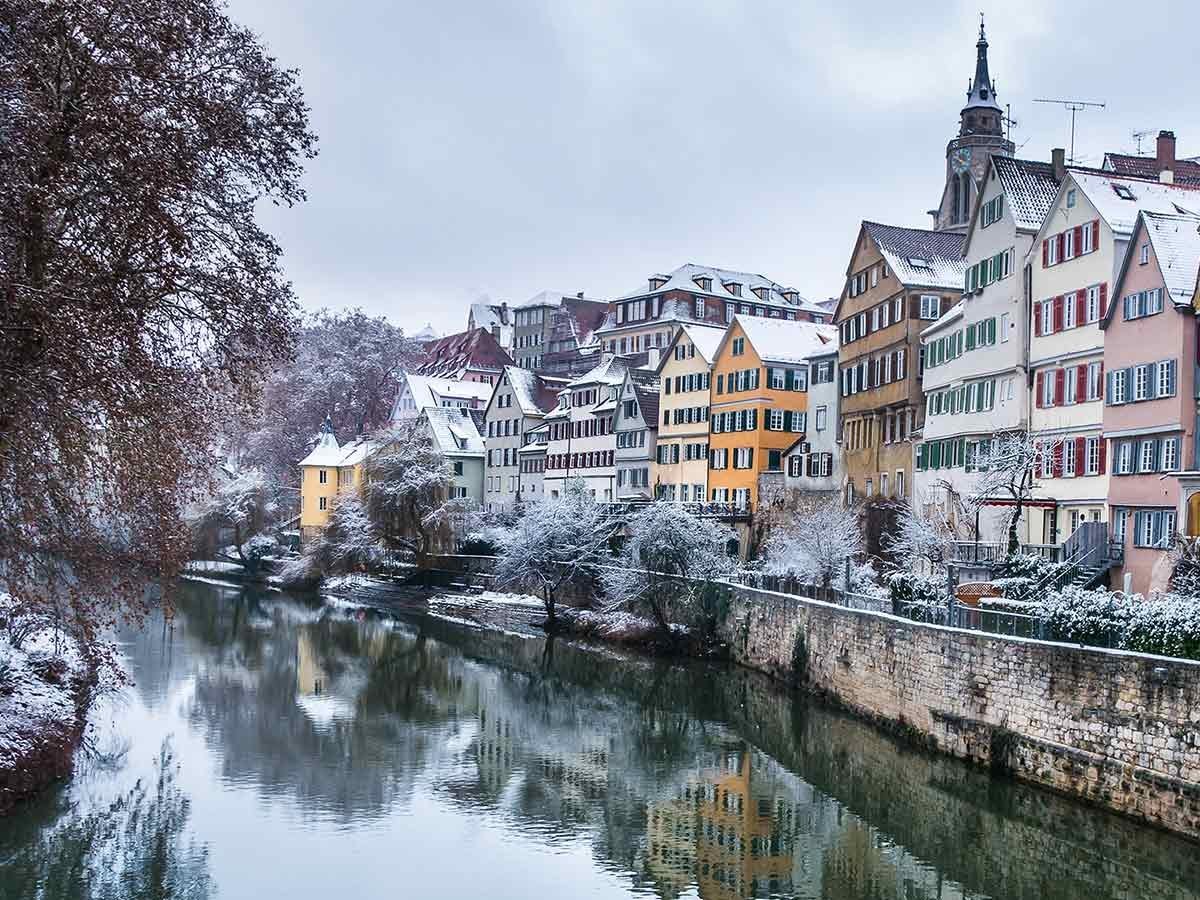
(272, 746)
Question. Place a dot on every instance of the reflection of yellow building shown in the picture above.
(729, 835)
(326, 471)
(311, 678)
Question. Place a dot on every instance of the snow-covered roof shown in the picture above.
(919, 257)
(689, 276)
(1029, 189)
(454, 431)
(1119, 199)
(486, 314)
(428, 333)
(357, 451)
(429, 390)
(706, 338)
(555, 298)
(535, 394)
(778, 340)
(327, 452)
(1187, 171)
(1176, 242)
(953, 314)
(611, 370)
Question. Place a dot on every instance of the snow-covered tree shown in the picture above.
(348, 543)
(557, 541)
(919, 535)
(406, 488)
(347, 366)
(1007, 468)
(142, 300)
(815, 547)
(241, 509)
(668, 563)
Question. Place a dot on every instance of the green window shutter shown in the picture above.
(970, 337)
(991, 330)
(787, 420)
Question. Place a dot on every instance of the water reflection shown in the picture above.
(377, 756)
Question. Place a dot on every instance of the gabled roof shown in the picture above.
(778, 340)
(535, 394)
(1187, 171)
(919, 257)
(647, 398)
(705, 338)
(451, 356)
(1176, 242)
(1104, 191)
(611, 370)
(428, 390)
(487, 314)
(689, 277)
(1029, 188)
(454, 431)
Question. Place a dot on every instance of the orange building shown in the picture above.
(758, 406)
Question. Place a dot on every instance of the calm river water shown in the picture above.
(277, 747)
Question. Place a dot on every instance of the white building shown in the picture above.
(635, 426)
(974, 357)
(455, 433)
(420, 392)
(814, 462)
(582, 443)
(1072, 266)
(517, 405)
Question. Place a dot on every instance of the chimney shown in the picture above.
(1058, 158)
(1165, 154)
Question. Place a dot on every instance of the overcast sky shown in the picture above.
(502, 148)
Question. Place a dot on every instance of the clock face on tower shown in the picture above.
(960, 160)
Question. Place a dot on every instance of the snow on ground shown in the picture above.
(36, 694)
(212, 565)
(485, 598)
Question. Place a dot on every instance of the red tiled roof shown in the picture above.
(1187, 171)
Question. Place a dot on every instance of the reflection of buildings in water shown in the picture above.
(728, 830)
(311, 678)
(313, 694)
(494, 748)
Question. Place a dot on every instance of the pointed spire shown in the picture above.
(981, 91)
(327, 425)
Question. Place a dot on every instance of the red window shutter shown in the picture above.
(1095, 234)
(1080, 307)
(1040, 389)
(1060, 381)
(1057, 462)
(1045, 253)
(1037, 322)
(1078, 239)
(1080, 383)
(1103, 454)
(1103, 300)
(1080, 450)
(1061, 237)
(1058, 313)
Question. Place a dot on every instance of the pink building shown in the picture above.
(1150, 357)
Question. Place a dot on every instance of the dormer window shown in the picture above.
(1123, 192)
(657, 281)
(762, 291)
(734, 288)
(703, 282)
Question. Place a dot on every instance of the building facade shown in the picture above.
(472, 355)
(898, 281)
(1150, 392)
(519, 403)
(420, 392)
(685, 378)
(327, 471)
(635, 425)
(455, 434)
(1072, 264)
(532, 461)
(554, 331)
(974, 357)
(759, 402)
(813, 464)
(646, 320)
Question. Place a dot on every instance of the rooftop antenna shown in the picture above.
(1075, 106)
(1139, 136)
(1009, 121)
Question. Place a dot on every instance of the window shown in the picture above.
(1069, 244)
(1072, 387)
(869, 491)
(990, 214)
(1051, 251)
(899, 482)
(1049, 378)
(1093, 303)
(1047, 308)
(820, 417)
(1146, 456)
(1170, 454)
(1069, 309)
(322, 502)
(1141, 382)
(1091, 231)
(1117, 388)
(1071, 196)
(931, 306)
(1068, 462)
(775, 419)
(1003, 327)
(1124, 458)
(739, 347)
(699, 307)
(1093, 380)
(1145, 254)
(1166, 378)
(898, 309)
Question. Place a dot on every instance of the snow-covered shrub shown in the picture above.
(668, 567)
(918, 596)
(1167, 624)
(815, 547)
(1082, 616)
(1022, 576)
(8, 671)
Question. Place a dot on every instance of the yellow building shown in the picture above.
(326, 471)
(758, 406)
(681, 470)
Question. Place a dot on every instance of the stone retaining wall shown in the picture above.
(1121, 730)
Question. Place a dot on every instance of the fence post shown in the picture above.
(950, 595)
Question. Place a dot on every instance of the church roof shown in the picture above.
(981, 92)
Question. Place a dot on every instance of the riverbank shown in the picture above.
(46, 688)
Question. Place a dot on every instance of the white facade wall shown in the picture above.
(1000, 362)
(634, 441)
(821, 433)
(1079, 496)
(584, 443)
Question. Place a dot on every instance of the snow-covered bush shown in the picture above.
(1024, 576)
(556, 542)
(815, 547)
(241, 508)
(1084, 616)
(917, 595)
(1167, 624)
(349, 541)
(669, 565)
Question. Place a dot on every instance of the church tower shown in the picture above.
(980, 136)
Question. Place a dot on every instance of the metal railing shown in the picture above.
(787, 584)
(984, 552)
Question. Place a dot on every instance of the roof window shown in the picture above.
(1123, 191)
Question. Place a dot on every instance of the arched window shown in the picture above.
(963, 192)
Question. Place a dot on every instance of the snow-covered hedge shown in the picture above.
(1164, 624)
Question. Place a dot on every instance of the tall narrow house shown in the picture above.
(898, 281)
(1072, 265)
(975, 378)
